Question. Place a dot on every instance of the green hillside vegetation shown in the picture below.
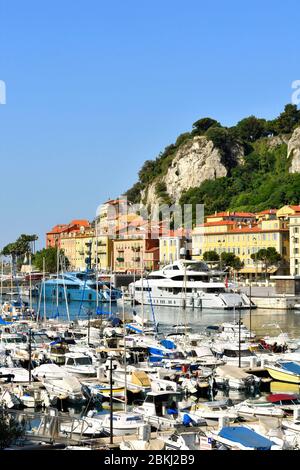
(263, 181)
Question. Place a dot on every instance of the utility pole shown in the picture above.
(240, 336)
(29, 354)
(89, 315)
(250, 311)
(111, 402)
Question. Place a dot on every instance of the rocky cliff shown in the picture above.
(251, 166)
(195, 161)
(293, 152)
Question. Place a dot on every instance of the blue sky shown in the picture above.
(95, 88)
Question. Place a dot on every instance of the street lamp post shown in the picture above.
(240, 338)
(293, 253)
(111, 402)
(250, 305)
(255, 242)
(29, 354)
(220, 242)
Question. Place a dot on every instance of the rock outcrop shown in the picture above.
(195, 161)
(294, 151)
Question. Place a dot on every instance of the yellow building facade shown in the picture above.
(78, 248)
(243, 240)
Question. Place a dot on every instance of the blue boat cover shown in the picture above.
(291, 367)
(187, 420)
(246, 437)
(168, 344)
(134, 328)
(3, 322)
(156, 351)
(100, 312)
(116, 322)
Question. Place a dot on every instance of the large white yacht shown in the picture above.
(190, 284)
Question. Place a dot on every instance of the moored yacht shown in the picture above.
(190, 284)
(80, 286)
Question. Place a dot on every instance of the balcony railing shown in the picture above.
(120, 260)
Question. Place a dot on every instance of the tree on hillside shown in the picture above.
(134, 193)
(251, 128)
(268, 256)
(50, 256)
(287, 120)
(202, 125)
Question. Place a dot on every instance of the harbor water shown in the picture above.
(262, 321)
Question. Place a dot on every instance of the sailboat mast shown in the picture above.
(44, 289)
(11, 276)
(142, 276)
(111, 270)
(2, 274)
(125, 360)
(65, 290)
(97, 286)
(57, 274)
(30, 283)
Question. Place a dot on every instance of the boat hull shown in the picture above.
(282, 376)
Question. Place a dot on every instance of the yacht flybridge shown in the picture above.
(188, 284)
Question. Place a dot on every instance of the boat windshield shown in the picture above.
(235, 353)
(14, 339)
(40, 339)
(83, 361)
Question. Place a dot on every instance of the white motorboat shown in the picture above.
(246, 409)
(233, 353)
(58, 382)
(234, 331)
(32, 396)
(160, 409)
(235, 378)
(18, 374)
(124, 423)
(187, 283)
(211, 412)
(79, 364)
(68, 388)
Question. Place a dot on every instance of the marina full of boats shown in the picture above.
(118, 377)
(112, 376)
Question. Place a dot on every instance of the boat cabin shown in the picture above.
(161, 403)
